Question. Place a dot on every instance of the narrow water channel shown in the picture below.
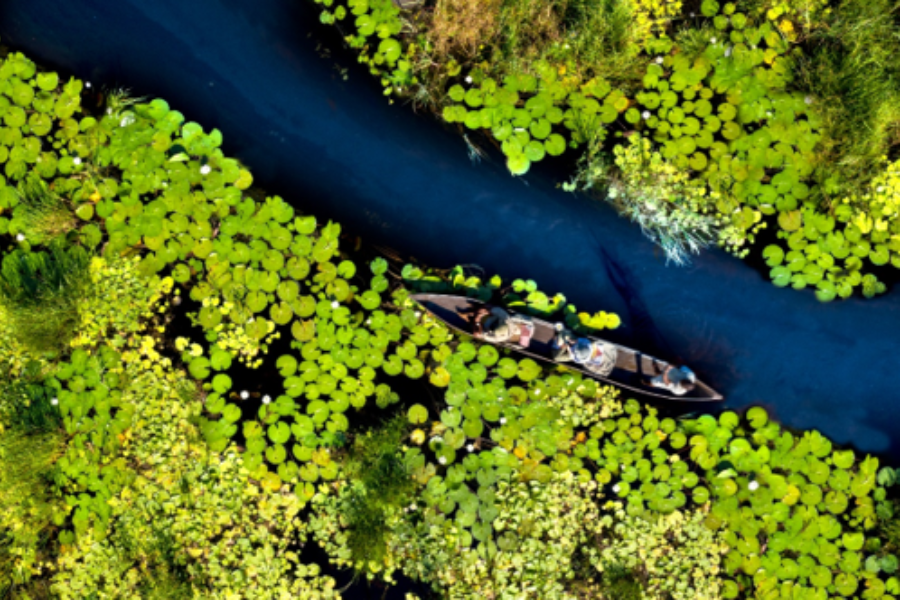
(336, 148)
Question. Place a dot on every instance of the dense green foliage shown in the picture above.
(740, 115)
(226, 392)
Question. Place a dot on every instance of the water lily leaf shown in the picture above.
(773, 254)
(390, 49)
(199, 367)
(518, 164)
(846, 584)
(279, 432)
(231, 413)
(555, 145)
(417, 414)
(843, 459)
(826, 290)
(781, 276)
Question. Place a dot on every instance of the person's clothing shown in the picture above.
(597, 357)
(681, 380)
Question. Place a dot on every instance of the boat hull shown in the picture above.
(631, 369)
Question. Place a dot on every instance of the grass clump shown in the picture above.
(603, 38)
(41, 292)
(851, 71)
(43, 214)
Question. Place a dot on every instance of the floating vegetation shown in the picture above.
(209, 409)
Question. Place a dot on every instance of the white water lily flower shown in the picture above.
(537, 391)
(245, 394)
(76, 160)
(616, 488)
(712, 41)
(753, 486)
(418, 313)
(442, 460)
(87, 84)
(205, 170)
(470, 448)
(54, 401)
(20, 237)
(503, 420)
(335, 304)
(645, 115)
(469, 79)
(266, 399)
(659, 60)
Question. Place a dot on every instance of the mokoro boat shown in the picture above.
(631, 370)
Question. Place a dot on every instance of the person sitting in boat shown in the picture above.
(679, 380)
(495, 325)
(596, 357)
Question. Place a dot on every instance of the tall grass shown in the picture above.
(603, 38)
(851, 70)
(42, 291)
(43, 213)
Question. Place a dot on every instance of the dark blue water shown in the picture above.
(338, 149)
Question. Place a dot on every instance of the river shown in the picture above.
(336, 148)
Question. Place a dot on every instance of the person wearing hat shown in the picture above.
(679, 380)
(495, 325)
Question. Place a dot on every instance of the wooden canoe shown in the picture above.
(631, 370)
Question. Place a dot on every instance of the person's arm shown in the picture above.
(666, 375)
(478, 322)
